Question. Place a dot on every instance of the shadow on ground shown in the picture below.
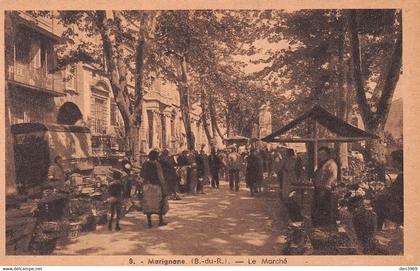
(219, 222)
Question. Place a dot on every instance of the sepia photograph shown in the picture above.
(225, 132)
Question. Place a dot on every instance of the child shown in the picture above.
(115, 190)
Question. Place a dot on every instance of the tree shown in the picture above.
(382, 30)
(194, 41)
(116, 44)
(301, 65)
(334, 53)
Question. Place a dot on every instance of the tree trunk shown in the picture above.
(204, 118)
(138, 91)
(341, 148)
(213, 118)
(133, 143)
(362, 102)
(185, 105)
(116, 74)
(375, 151)
(228, 126)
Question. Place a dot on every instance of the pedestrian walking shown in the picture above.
(215, 165)
(116, 192)
(254, 171)
(183, 171)
(201, 170)
(233, 167)
(223, 164)
(168, 164)
(154, 190)
(325, 180)
(193, 175)
(277, 158)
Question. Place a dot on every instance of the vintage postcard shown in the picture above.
(210, 133)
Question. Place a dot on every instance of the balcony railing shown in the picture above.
(36, 77)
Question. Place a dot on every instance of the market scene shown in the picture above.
(204, 132)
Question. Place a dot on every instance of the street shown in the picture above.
(219, 222)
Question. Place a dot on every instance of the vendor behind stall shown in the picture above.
(56, 174)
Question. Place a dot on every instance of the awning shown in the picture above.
(345, 131)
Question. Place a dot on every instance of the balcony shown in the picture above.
(25, 75)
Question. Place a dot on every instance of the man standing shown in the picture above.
(215, 164)
(390, 204)
(325, 179)
(184, 171)
(254, 171)
(201, 170)
(233, 167)
(56, 174)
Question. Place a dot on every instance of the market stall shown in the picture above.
(42, 215)
(335, 131)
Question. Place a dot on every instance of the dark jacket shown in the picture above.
(168, 167)
(183, 160)
(200, 161)
(396, 192)
(254, 169)
(149, 172)
(215, 163)
(115, 189)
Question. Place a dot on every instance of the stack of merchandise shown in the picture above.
(20, 226)
(297, 240)
(331, 241)
(80, 212)
(47, 234)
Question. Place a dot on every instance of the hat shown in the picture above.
(153, 155)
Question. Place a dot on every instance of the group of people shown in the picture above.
(287, 168)
(163, 177)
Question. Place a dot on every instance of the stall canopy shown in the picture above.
(345, 132)
(237, 140)
(68, 141)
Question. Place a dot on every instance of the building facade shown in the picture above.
(80, 95)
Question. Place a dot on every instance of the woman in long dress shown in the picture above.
(154, 190)
(288, 172)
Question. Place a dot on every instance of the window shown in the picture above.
(172, 127)
(163, 120)
(150, 121)
(23, 45)
(114, 113)
(98, 112)
(70, 77)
